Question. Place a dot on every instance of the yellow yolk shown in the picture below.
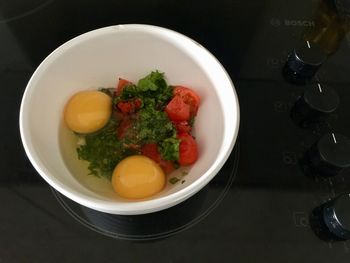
(88, 111)
(138, 177)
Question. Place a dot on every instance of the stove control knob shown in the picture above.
(330, 155)
(336, 216)
(314, 105)
(303, 63)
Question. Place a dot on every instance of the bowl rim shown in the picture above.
(137, 207)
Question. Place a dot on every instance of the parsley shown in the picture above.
(154, 126)
(153, 87)
(154, 81)
(191, 121)
(130, 91)
(169, 149)
(148, 124)
(174, 180)
(103, 150)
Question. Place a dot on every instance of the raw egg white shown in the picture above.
(138, 177)
(88, 111)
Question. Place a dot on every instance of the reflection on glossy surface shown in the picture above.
(14, 10)
(318, 225)
(264, 216)
(160, 224)
(331, 22)
(148, 226)
(331, 26)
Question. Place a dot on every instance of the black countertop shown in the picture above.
(257, 209)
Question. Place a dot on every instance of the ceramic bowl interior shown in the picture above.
(96, 59)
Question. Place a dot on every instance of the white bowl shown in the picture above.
(96, 59)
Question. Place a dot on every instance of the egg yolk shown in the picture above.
(88, 111)
(137, 177)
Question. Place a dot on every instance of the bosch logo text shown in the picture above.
(291, 22)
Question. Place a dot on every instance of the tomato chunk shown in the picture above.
(125, 107)
(188, 149)
(121, 85)
(167, 166)
(129, 106)
(151, 151)
(137, 104)
(124, 125)
(182, 126)
(190, 97)
(178, 110)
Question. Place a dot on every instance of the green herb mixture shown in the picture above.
(148, 124)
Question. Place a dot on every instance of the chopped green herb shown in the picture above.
(154, 126)
(184, 173)
(183, 181)
(103, 150)
(174, 180)
(152, 88)
(191, 121)
(146, 123)
(176, 165)
(154, 81)
(169, 149)
(129, 91)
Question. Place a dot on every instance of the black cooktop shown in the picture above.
(283, 194)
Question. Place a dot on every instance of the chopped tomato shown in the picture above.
(151, 151)
(137, 104)
(125, 106)
(124, 125)
(188, 149)
(190, 97)
(129, 106)
(121, 85)
(117, 115)
(182, 126)
(167, 166)
(178, 110)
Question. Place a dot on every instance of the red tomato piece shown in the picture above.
(151, 151)
(118, 115)
(178, 110)
(167, 166)
(190, 97)
(121, 85)
(187, 150)
(124, 125)
(125, 106)
(129, 106)
(182, 126)
(137, 103)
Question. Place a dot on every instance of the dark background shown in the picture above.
(262, 217)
